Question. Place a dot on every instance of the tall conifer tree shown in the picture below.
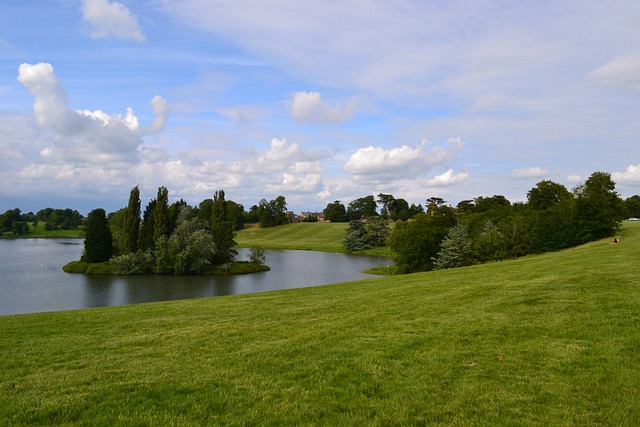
(132, 221)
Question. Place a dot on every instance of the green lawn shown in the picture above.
(314, 236)
(542, 340)
(42, 232)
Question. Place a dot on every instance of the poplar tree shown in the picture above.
(98, 241)
(132, 221)
(222, 226)
(161, 215)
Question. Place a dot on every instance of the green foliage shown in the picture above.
(455, 250)
(356, 237)
(599, 209)
(236, 267)
(13, 224)
(335, 212)
(272, 213)
(98, 240)
(161, 215)
(256, 255)
(147, 228)
(82, 267)
(131, 223)
(59, 219)
(377, 231)
(222, 229)
(633, 206)
(140, 262)
(362, 208)
(416, 243)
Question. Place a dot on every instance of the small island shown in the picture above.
(176, 239)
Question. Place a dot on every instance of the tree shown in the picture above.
(131, 226)
(161, 214)
(552, 216)
(600, 210)
(272, 213)
(490, 244)
(147, 228)
(335, 212)
(633, 206)
(399, 210)
(416, 243)
(455, 249)
(98, 239)
(378, 231)
(356, 237)
(256, 255)
(385, 200)
(222, 229)
(364, 207)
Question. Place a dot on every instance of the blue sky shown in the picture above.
(315, 101)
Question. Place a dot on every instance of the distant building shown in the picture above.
(304, 215)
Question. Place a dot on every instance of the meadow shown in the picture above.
(313, 236)
(543, 340)
(41, 231)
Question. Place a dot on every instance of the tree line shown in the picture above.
(173, 238)
(489, 228)
(14, 223)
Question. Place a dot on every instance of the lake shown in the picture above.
(32, 280)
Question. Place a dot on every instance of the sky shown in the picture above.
(316, 101)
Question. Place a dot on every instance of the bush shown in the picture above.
(83, 267)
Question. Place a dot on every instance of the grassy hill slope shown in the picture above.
(314, 236)
(542, 340)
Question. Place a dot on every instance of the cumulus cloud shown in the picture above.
(111, 20)
(283, 156)
(84, 135)
(309, 107)
(448, 178)
(400, 161)
(574, 179)
(620, 73)
(532, 172)
(631, 175)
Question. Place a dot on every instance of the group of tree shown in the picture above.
(13, 223)
(175, 238)
(486, 228)
(59, 219)
(491, 228)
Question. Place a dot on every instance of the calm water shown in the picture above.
(32, 280)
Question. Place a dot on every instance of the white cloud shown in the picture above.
(309, 107)
(400, 161)
(306, 183)
(532, 172)
(631, 175)
(448, 178)
(111, 20)
(160, 109)
(84, 135)
(573, 179)
(620, 73)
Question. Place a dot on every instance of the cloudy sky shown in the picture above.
(313, 100)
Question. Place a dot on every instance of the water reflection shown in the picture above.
(32, 279)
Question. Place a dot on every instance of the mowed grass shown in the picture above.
(40, 231)
(542, 340)
(313, 236)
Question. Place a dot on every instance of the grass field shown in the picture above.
(42, 232)
(314, 236)
(543, 340)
